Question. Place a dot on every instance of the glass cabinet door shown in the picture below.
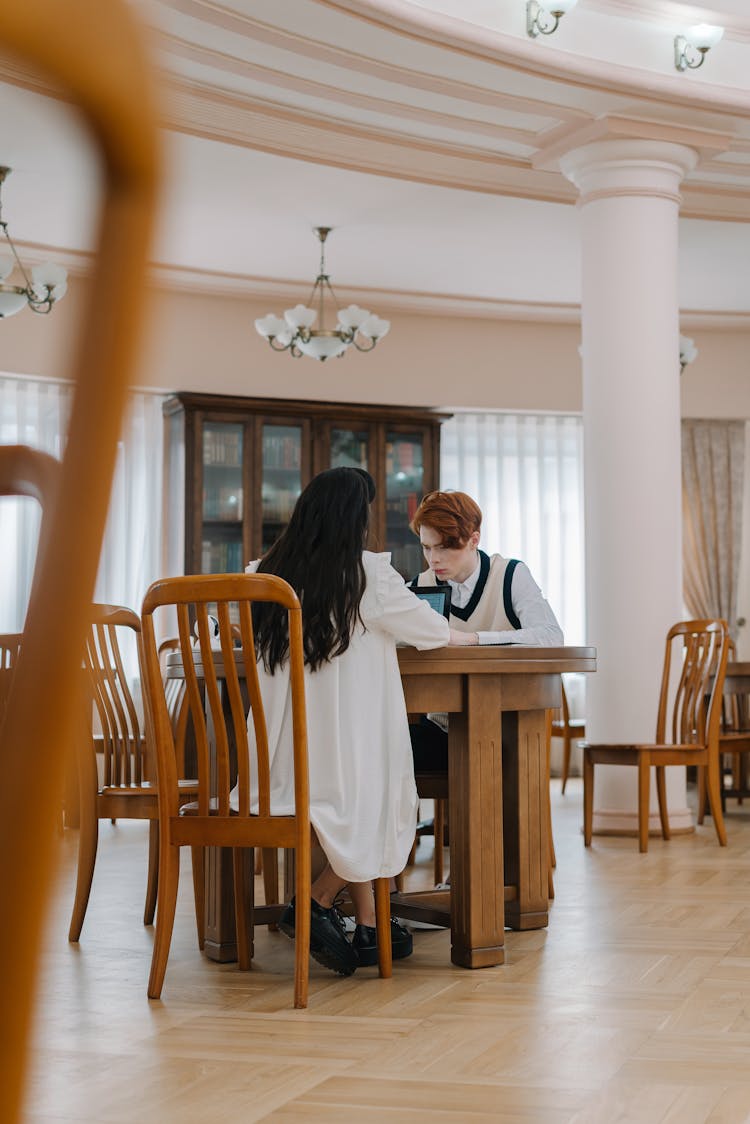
(222, 498)
(281, 479)
(350, 448)
(404, 483)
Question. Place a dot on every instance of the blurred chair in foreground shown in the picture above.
(689, 735)
(71, 44)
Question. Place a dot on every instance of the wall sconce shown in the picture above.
(690, 49)
(688, 352)
(543, 21)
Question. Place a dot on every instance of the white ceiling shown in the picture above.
(452, 111)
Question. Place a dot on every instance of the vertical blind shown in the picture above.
(35, 412)
(526, 473)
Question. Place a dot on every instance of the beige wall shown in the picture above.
(209, 343)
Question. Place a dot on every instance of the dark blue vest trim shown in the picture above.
(507, 599)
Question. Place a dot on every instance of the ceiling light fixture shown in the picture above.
(543, 21)
(688, 352)
(690, 49)
(47, 284)
(295, 333)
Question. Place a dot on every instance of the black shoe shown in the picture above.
(328, 943)
(365, 943)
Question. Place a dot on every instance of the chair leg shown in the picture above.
(169, 878)
(713, 782)
(552, 855)
(702, 793)
(644, 800)
(661, 792)
(383, 925)
(152, 880)
(567, 744)
(87, 844)
(270, 865)
(588, 797)
(438, 827)
(302, 889)
(198, 857)
(243, 911)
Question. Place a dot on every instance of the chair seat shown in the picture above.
(641, 747)
(146, 788)
(192, 808)
(559, 727)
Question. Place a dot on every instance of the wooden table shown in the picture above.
(497, 698)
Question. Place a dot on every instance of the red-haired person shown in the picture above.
(494, 600)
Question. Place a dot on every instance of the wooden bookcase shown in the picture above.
(235, 467)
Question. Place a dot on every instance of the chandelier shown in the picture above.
(295, 332)
(47, 284)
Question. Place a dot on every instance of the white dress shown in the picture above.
(363, 800)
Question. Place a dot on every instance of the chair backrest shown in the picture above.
(122, 734)
(223, 758)
(695, 663)
(10, 642)
(71, 44)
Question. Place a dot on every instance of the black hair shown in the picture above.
(320, 554)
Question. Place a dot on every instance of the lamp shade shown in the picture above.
(300, 316)
(703, 36)
(560, 7)
(48, 274)
(374, 328)
(350, 318)
(11, 303)
(322, 347)
(270, 326)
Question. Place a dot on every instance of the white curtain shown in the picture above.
(35, 412)
(526, 473)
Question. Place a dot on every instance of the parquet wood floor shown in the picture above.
(633, 1006)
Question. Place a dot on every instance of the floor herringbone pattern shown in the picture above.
(633, 1006)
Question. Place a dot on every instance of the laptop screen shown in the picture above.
(438, 597)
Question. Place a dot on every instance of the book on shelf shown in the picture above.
(221, 557)
(222, 503)
(222, 447)
(281, 450)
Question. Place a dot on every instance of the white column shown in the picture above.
(629, 200)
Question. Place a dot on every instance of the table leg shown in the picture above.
(525, 828)
(476, 835)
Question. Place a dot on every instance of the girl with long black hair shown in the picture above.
(363, 800)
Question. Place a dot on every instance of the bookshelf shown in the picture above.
(235, 467)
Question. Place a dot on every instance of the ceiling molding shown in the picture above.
(270, 290)
(522, 55)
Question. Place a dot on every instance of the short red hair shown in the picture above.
(452, 515)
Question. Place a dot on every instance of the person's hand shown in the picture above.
(463, 639)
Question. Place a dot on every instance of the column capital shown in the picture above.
(665, 152)
(608, 168)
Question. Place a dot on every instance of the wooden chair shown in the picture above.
(127, 791)
(567, 728)
(434, 786)
(689, 736)
(223, 758)
(734, 737)
(71, 45)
